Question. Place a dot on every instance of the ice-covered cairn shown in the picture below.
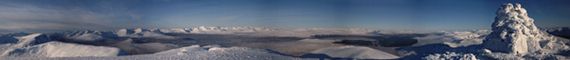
(513, 31)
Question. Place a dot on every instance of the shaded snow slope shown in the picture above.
(60, 49)
(354, 52)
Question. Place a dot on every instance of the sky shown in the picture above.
(409, 15)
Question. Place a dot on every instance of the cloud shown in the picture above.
(30, 17)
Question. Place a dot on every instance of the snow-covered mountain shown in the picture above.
(143, 33)
(31, 39)
(176, 41)
(60, 49)
(228, 30)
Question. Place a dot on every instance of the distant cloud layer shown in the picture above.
(21, 17)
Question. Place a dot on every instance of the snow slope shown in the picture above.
(355, 52)
(194, 52)
(60, 49)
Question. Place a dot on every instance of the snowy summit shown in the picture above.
(515, 32)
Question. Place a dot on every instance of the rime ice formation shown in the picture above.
(514, 32)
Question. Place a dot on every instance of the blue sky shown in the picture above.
(415, 15)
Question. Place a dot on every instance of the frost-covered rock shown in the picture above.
(60, 49)
(354, 52)
(451, 56)
(515, 32)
